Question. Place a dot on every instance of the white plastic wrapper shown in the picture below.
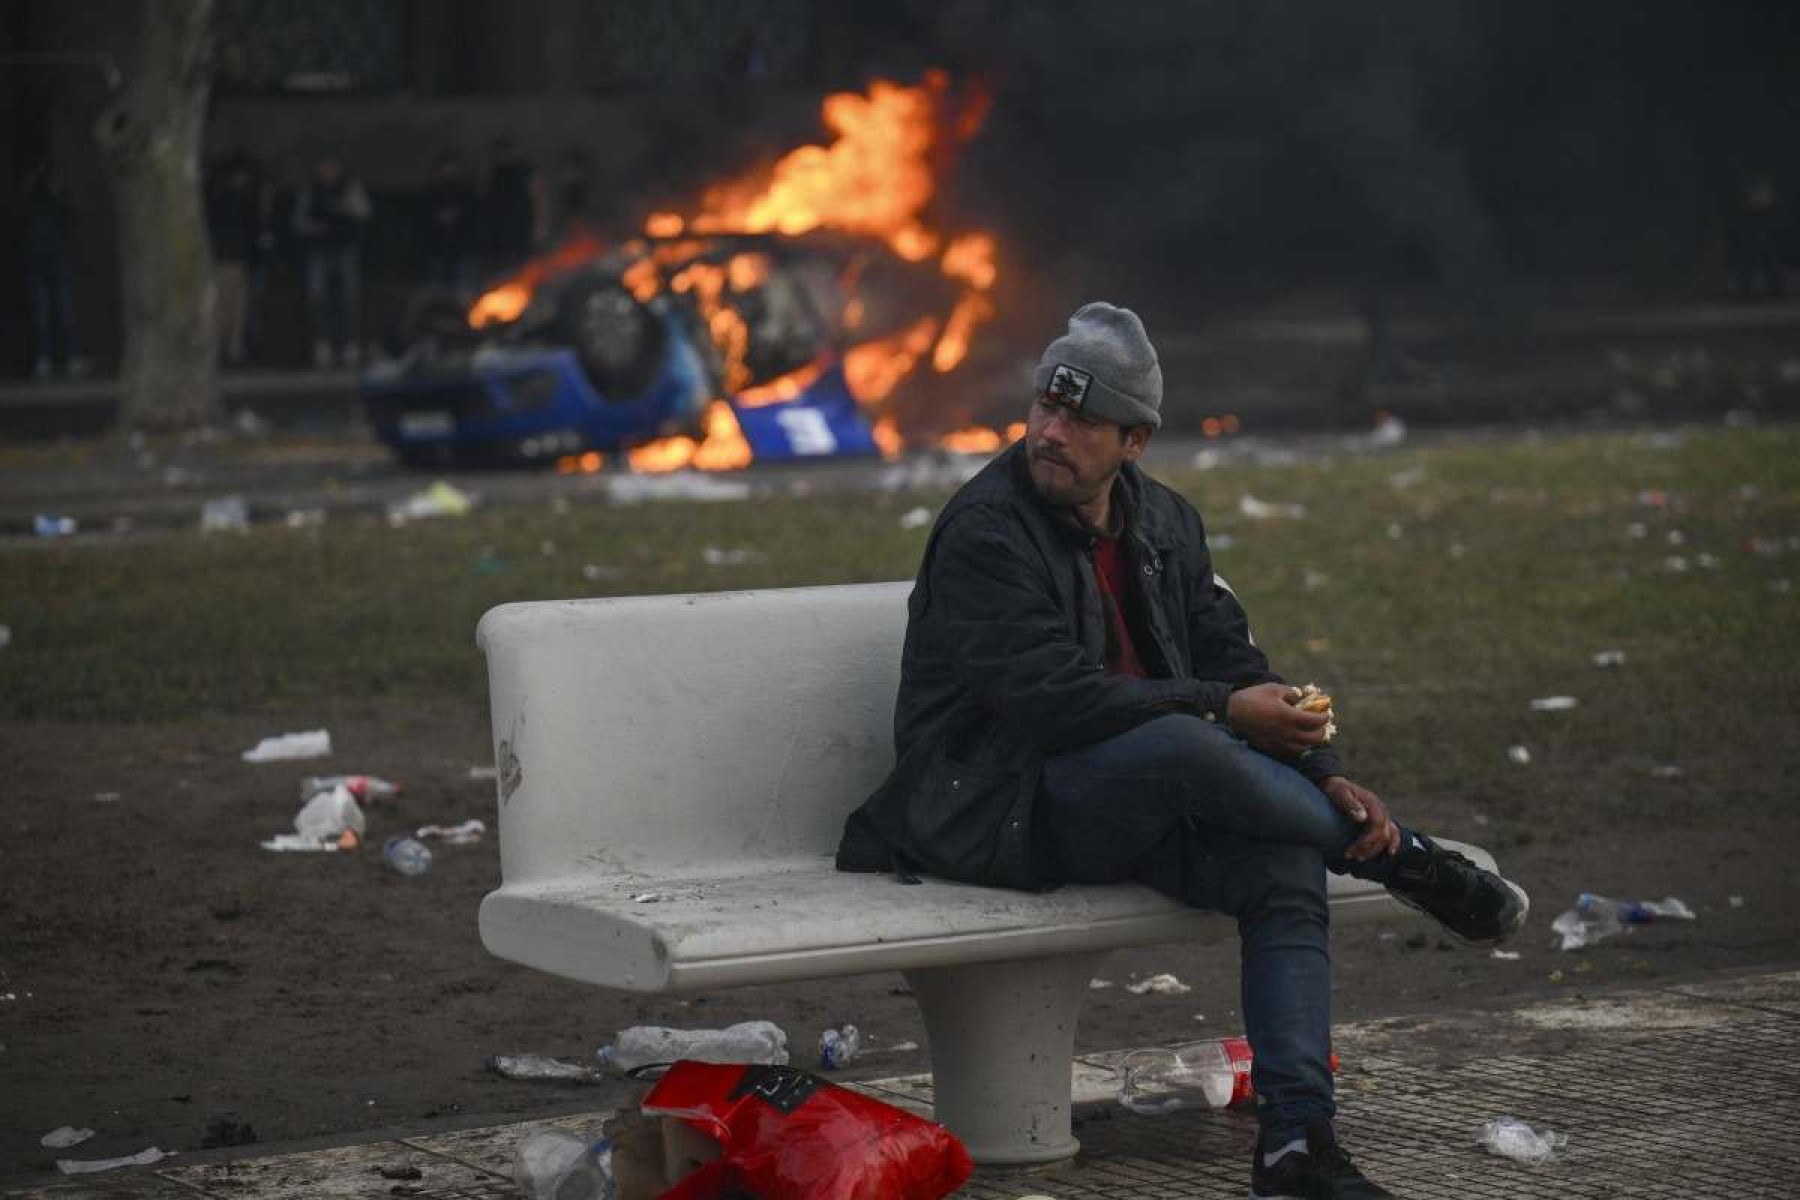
(1512, 1138)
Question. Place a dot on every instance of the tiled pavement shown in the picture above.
(1684, 1091)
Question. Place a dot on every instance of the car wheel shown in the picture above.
(618, 341)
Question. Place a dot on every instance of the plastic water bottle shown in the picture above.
(745, 1042)
(364, 787)
(1210, 1074)
(838, 1046)
(553, 1164)
(409, 856)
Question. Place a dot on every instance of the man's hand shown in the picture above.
(1380, 835)
(1266, 716)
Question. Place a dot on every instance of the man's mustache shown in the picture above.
(1053, 457)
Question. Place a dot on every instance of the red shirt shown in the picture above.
(1114, 576)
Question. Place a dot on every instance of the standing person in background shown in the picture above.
(234, 194)
(448, 228)
(47, 246)
(513, 207)
(329, 215)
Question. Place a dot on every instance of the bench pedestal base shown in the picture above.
(1002, 1035)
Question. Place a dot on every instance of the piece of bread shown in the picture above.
(1315, 701)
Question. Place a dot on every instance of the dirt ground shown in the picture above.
(166, 982)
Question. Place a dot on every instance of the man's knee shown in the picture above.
(1260, 878)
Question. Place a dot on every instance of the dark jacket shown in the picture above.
(1002, 666)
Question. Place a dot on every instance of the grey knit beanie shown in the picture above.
(1105, 367)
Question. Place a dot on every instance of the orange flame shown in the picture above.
(973, 440)
(506, 301)
(874, 369)
(888, 438)
(723, 448)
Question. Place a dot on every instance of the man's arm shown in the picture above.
(1016, 653)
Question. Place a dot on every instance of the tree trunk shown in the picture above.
(151, 141)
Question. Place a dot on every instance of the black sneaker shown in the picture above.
(1474, 904)
(1322, 1171)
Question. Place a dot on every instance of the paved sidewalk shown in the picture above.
(1683, 1091)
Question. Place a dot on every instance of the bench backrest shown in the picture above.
(679, 736)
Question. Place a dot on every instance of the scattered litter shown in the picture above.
(249, 424)
(554, 1164)
(1597, 917)
(538, 1067)
(1411, 477)
(1395, 531)
(143, 1158)
(716, 556)
(441, 499)
(1220, 541)
(64, 1136)
(313, 744)
(305, 518)
(915, 518)
(1735, 901)
(838, 1046)
(1554, 704)
(1314, 581)
(51, 526)
(594, 572)
(1675, 564)
(647, 898)
(1095, 985)
(290, 843)
(1389, 431)
(1739, 418)
(1259, 510)
(364, 787)
(1706, 562)
(1519, 754)
(328, 814)
(547, 548)
(1458, 550)
(227, 514)
(1781, 587)
(1666, 771)
(1609, 658)
(453, 835)
(677, 485)
(1207, 459)
(1162, 985)
(745, 1042)
(1512, 1138)
(408, 856)
(1677, 538)
(1637, 530)
(106, 797)
(1653, 498)
(1505, 955)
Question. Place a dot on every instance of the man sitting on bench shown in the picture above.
(1080, 702)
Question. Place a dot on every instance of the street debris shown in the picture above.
(746, 1042)
(1262, 510)
(915, 518)
(1512, 1138)
(227, 514)
(464, 834)
(484, 772)
(552, 1164)
(1519, 754)
(1095, 985)
(1411, 477)
(1666, 771)
(717, 556)
(1506, 955)
(1554, 704)
(538, 1067)
(838, 1046)
(328, 814)
(647, 898)
(441, 499)
(64, 1136)
(677, 485)
(1597, 917)
(87, 1166)
(408, 856)
(48, 525)
(364, 787)
(312, 744)
(1162, 985)
(1607, 659)
(289, 843)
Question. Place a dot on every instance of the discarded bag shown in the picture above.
(788, 1135)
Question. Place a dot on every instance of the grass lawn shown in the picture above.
(1434, 591)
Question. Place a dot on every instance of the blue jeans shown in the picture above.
(1193, 811)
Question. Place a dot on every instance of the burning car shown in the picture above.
(775, 322)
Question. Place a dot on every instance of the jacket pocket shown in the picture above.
(957, 817)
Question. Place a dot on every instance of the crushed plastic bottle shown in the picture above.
(838, 1046)
(539, 1067)
(1596, 917)
(745, 1042)
(1165, 1079)
(328, 814)
(1512, 1138)
(553, 1164)
(364, 787)
(409, 856)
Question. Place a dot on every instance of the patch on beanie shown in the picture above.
(1069, 385)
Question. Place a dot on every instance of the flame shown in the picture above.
(888, 438)
(507, 300)
(664, 224)
(588, 463)
(974, 440)
(971, 257)
(722, 449)
(954, 345)
(875, 368)
(777, 391)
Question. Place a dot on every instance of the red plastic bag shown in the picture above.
(788, 1135)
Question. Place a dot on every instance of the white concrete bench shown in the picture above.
(674, 776)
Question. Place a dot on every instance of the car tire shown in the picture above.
(617, 340)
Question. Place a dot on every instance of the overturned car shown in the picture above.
(616, 349)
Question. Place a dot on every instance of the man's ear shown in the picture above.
(1136, 438)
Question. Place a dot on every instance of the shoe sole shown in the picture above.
(1498, 939)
